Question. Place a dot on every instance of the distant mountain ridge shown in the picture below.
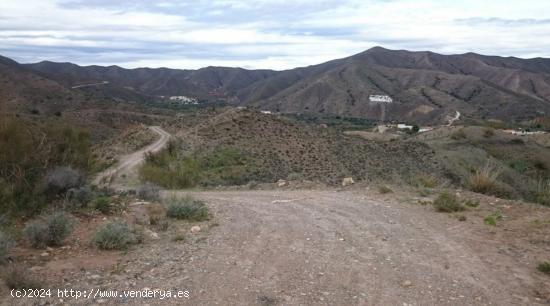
(426, 87)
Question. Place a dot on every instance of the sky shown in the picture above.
(264, 34)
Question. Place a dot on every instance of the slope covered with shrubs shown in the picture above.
(38, 161)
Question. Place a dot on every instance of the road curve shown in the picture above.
(132, 160)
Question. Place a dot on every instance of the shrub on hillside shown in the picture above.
(447, 202)
(149, 191)
(21, 278)
(116, 235)
(81, 196)
(484, 180)
(187, 209)
(544, 267)
(50, 230)
(384, 189)
(5, 246)
(28, 150)
(458, 135)
(541, 193)
(61, 179)
(425, 180)
(102, 204)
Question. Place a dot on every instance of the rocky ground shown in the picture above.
(324, 247)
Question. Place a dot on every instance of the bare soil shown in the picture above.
(334, 247)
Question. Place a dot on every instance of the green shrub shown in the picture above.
(148, 191)
(484, 180)
(174, 174)
(50, 230)
(61, 179)
(31, 149)
(116, 235)
(187, 209)
(384, 189)
(447, 202)
(544, 267)
(490, 220)
(21, 278)
(425, 180)
(541, 194)
(460, 134)
(81, 196)
(5, 246)
(471, 203)
(102, 204)
(488, 132)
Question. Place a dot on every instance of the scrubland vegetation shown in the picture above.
(39, 161)
(223, 166)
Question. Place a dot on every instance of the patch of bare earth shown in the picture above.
(352, 247)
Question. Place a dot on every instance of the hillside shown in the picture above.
(426, 87)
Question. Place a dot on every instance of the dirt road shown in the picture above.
(129, 162)
(328, 248)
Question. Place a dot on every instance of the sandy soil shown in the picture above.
(331, 247)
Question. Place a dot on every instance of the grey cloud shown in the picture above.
(477, 21)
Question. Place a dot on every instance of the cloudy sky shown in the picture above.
(264, 33)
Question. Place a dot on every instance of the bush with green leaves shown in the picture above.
(544, 267)
(116, 235)
(149, 191)
(61, 179)
(187, 209)
(383, 189)
(102, 204)
(447, 202)
(29, 151)
(50, 230)
(5, 246)
(80, 196)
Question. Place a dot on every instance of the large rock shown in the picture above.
(347, 181)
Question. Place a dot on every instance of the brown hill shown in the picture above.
(280, 148)
(426, 87)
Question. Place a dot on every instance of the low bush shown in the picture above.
(488, 132)
(541, 194)
(29, 151)
(425, 180)
(471, 203)
(384, 189)
(116, 235)
(102, 204)
(460, 134)
(21, 278)
(187, 209)
(484, 180)
(50, 230)
(5, 246)
(81, 196)
(447, 202)
(492, 218)
(61, 179)
(149, 191)
(544, 267)
(170, 170)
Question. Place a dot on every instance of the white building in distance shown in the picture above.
(380, 99)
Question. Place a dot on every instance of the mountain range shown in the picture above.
(426, 87)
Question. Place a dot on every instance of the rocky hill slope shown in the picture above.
(426, 87)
